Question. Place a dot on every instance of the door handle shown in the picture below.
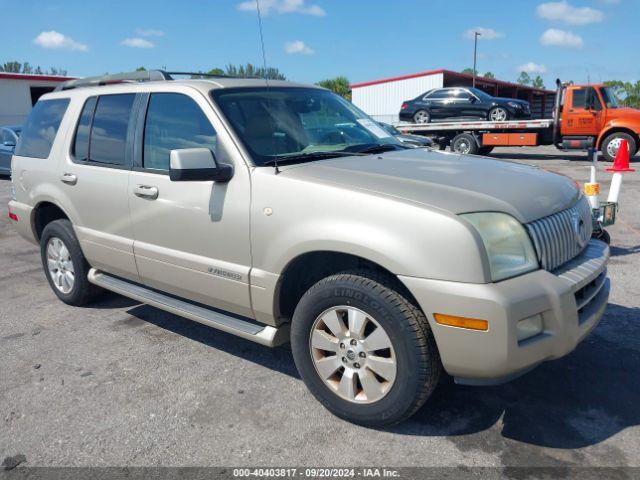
(69, 178)
(146, 191)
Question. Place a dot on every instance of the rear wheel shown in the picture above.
(611, 144)
(465, 144)
(422, 116)
(498, 114)
(363, 349)
(64, 264)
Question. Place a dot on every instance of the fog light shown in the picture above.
(530, 327)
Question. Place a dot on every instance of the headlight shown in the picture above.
(507, 244)
(514, 104)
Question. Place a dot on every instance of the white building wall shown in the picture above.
(15, 99)
(383, 100)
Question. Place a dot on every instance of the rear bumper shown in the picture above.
(571, 301)
(23, 223)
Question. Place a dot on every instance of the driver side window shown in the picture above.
(174, 121)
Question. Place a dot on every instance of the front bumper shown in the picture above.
(570, 299)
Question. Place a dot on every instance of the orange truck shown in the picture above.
(584, 116)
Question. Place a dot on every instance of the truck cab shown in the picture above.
(592, 112)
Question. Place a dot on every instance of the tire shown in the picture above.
(379, 304)
(485, 150)
(498, 114)
(464, 144)
(609, 147)
(422, 116)
(59, 245)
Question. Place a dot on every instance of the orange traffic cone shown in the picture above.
(621, 162)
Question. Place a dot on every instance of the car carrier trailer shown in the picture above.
(584, 116)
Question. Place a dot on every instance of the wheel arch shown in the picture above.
(616, 129)
(44, 213)
(308, 268)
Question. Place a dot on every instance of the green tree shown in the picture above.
(11, 67)
(339, 85)
(538, 82)
(467, 71)
(251, 71)
(524, 79)
(489, 75)
(141, 69)
(627, 93)
(216, 71)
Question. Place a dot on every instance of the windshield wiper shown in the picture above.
(385, 147)
(309, 157)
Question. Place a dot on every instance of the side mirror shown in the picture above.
(197, 164)
(9, 143)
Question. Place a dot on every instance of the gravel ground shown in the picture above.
(126, 384)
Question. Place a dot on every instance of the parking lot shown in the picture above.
(120, 383)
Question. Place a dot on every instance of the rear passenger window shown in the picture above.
(81, 143)
(41, 128)
(174, 121)
(108, 138)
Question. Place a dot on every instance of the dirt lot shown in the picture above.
(126, 384)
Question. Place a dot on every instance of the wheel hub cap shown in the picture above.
(353, 354)
(60, 265)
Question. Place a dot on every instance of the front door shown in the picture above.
(191, 237)
(584, 113)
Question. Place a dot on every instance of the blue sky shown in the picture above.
(310, 40)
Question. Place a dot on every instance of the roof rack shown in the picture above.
(137, 76)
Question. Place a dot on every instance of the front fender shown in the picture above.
(617, 125)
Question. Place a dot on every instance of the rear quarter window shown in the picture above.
(41, 128)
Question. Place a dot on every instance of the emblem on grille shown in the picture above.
(579, 230)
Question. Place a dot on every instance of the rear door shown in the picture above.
(95, 177)
(191, 237)
(439, 102)
(582, 112)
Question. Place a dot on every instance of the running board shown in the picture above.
(262, 334)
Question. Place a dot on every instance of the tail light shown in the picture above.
(404, 106)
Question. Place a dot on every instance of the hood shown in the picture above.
(446, 181)
(623, 113)
(514, 100)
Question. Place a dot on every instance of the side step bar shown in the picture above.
(262, 334)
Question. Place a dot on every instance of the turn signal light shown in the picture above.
(461, 322)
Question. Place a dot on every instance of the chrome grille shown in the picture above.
(561, 236)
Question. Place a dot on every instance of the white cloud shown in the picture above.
(149, 32)
(485, 33)
(531, 67)
(298, 46)
(282, 6)
(561, 38)
(137, 43)
(566, 13)
(56, 40)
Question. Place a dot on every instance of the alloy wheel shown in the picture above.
(60, 265)
(498, 115)
(353, 354)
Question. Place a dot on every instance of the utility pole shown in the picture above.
(475, 55)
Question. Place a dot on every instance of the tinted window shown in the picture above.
(173, 122)
(81, 143)
(438, 94)
(109, 130)
(41, 128)
(580, 98)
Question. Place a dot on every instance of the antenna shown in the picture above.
(266, 76)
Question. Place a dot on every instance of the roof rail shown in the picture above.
(141, 76)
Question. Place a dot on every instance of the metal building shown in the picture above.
(382, 98)
(19, 92)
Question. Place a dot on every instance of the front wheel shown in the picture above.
(465, 144)
(611, 144)
(498, 114)
(363, 350)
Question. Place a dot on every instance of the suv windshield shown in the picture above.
(609, 98)
(299, 124)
